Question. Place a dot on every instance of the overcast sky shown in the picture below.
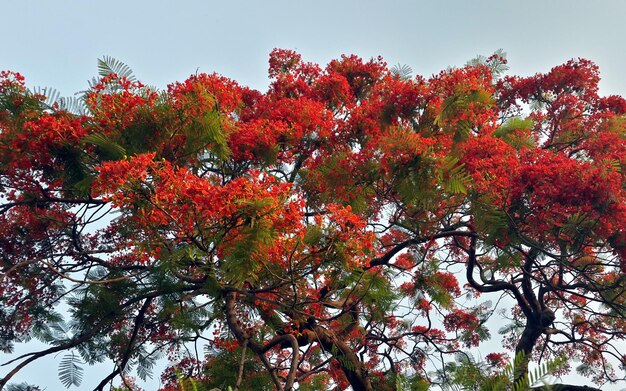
(56, 43)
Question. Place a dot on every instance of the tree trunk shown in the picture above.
(530, 335)
(352, 367)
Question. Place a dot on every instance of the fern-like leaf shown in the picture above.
(513, 124)
(144, 366)
(74, 104)
(108, 65)
(453, 176)
(70, 371)
(109, 149)
(51, 94)
(21, 387)
(516, 140)
(496, 63)
(403, 72)
(455, 104)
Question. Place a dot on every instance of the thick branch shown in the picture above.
(383, 260)
(138, 322)
(71, 343)
(495, 286)
(242, 336)
(527, 289)
(352, 367)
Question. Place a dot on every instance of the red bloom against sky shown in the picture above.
(309, 236)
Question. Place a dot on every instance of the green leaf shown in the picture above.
(453, 176)
(615, 164)
(70, 372)
(108, 149)
(313, 235)
(505, 132)
(455, 104)
(144, 365)
(513, 124)
(207, 130)
(108, 65)
(403, 72)
(490, 220)
(21, 387)
(51, 94)
(223, 370)
(73, 104)
(496, 63)
(212, 285)
(75, 173)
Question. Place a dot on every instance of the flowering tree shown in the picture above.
(309, 236)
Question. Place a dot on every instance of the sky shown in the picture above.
(57, 43)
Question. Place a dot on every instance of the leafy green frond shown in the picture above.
(465, 373)
(453, 176)
(108, 65)
(21, 387)
(513, 124)
(51, 94)
(73, 104)
(457, 103)
(145, 364)
(107, 148)
(496, 63)
(413, 183)
(224, 368)
(373, 290)
(507, 133)
(76, 173)
(207, 130)
(478, 60)
(453, 103)
(55, 330)
(70, 371)
(538, 374)
(578, 227)
(244, 259)
(91, 84)
(614, 164)
(513, 327)
(449, 107)
(490, 220)
(402, 71)
(344, 361)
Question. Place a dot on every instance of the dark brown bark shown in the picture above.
(525, 346)
(352, 367)
(243, 337)
(535, 326)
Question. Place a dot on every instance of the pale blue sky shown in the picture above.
(56, 43)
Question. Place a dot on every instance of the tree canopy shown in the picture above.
(350, 226)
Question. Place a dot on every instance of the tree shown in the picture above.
(311, 235)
